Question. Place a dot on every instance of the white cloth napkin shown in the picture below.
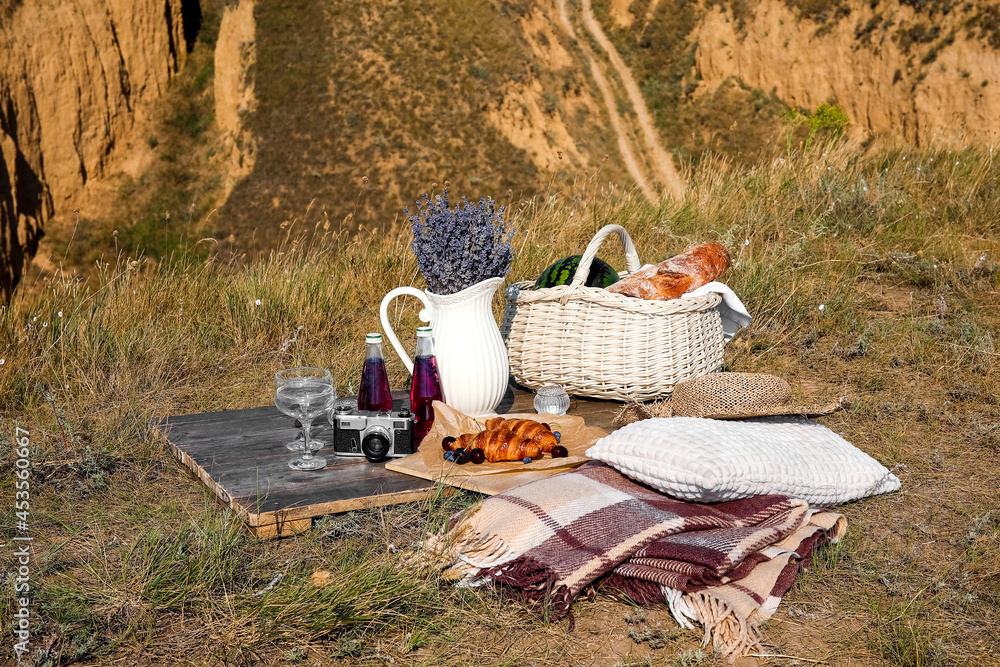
(734, 313)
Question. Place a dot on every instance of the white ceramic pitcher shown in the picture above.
(471, 356)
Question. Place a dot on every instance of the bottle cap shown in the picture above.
(373, 338)
(424, 332)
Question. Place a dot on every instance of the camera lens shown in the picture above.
(375, 444)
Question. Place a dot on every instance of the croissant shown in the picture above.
(526, 428)
(500, 445)
(672, 277)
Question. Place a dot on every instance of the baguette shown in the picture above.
(678, 275)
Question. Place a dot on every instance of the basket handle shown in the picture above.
(632, 262)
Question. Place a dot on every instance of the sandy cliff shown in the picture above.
(343, 112)
(915, 75)
(235, 56)
(75, 77)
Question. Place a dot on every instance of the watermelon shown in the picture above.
(562, 272)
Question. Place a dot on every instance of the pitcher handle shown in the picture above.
(425, 315)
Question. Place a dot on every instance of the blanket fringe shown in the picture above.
(737, 636)
(680, 607)
(461, 552)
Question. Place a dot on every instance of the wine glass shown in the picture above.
(305, 400)
(297, 374)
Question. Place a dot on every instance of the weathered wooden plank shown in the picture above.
(239, 456)
(269, 488)
(194, 432)
(323, 507)
(282, 529)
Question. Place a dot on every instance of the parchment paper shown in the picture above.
(429, 461)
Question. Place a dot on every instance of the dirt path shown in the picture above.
(663, 164)
(633, 166)
(650, 11)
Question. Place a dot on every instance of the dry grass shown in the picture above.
(134, 565)
(334, 127)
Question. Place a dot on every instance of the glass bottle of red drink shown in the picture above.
(374, 394)
(426, 387)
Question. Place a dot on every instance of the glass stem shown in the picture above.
(307, 453)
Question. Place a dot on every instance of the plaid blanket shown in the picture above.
(700, 576)
(693, 561)
(552, 538)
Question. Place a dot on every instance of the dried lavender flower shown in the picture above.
(457, 248)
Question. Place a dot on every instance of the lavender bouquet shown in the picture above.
(458, 248)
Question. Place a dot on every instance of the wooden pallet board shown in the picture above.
(239, 456)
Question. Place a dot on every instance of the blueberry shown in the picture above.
(527, 459)
(558, 436)
(449, 456)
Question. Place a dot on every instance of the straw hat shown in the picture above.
(740, 395)
(727, 396)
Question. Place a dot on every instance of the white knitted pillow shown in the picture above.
(711, 460)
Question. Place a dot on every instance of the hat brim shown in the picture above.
(801, 410)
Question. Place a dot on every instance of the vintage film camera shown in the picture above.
(375, 435)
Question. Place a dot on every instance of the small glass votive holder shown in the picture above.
(551, 399)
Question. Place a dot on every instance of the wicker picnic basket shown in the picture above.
(603, 345)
